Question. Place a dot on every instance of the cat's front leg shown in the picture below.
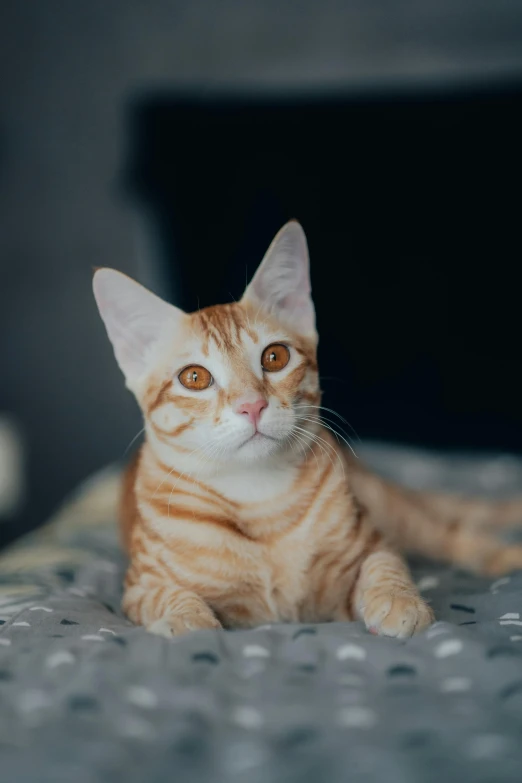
(167, 609)
(386, 599)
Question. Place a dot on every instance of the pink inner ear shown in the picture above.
(282, 282)
(299, 310)
(295, 301)
(134, 318)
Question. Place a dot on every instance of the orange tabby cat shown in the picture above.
(241, 508)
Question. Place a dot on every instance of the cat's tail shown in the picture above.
(445, 527)
(475, 512)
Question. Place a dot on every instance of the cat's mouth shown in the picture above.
(256, 436)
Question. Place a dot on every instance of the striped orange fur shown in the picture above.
(241, 508)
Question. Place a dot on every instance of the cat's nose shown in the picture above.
(252, 409)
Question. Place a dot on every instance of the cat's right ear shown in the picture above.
(135, 320)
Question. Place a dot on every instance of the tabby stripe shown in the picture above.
(174, 433)
(191, 481)
(374, 539)
(196, 515)
(159, 398)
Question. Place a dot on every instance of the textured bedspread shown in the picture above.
(84, 696)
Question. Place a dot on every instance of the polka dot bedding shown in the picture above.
(84, 695)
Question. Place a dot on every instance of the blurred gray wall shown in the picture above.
(67, 72)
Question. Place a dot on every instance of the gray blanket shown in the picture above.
(85, 696)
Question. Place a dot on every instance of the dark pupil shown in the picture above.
(194, 376)
(272, 356)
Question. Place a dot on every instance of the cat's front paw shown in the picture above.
(399, 614)
(179, 624)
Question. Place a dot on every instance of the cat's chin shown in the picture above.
(258, 446)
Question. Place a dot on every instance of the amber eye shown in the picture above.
(275, 357)
(195, 378)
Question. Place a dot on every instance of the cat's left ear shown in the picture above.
(281, 284)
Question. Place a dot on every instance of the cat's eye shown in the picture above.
(275, 357)
(195, 377)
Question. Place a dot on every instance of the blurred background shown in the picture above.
(171, 140)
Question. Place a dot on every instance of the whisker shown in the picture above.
(132, 441)
(331, 410)
(321, 441)
(336, 426)
(304, 444)
(327, 426)
(323, 408)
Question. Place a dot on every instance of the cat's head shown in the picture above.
(234, 382)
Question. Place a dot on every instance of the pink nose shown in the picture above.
(252, 409)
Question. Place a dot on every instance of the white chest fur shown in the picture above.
(255, 484)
